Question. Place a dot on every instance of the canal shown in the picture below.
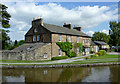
(80, 74)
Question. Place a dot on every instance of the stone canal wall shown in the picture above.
(31, 54)
(59, 66)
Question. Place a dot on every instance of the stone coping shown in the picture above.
(58, 66)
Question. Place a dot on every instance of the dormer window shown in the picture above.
(35, 30)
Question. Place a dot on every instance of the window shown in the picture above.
(45, 55)
(35, 30)
(60, 39)
(60, 52)
(69, 38)
(34, 38)
(77, 50)
(77, 39)
(38, 37)
(88, 40)
(83, 41)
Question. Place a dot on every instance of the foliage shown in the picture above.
(80, 47)
(99, 36)
(5, 39)
(114, 33)
(65, 47)
(21, 42)
(99, 53)
(17, 44)
(103, 52)
(87, 57)
(72, 54)
(92, 51)
(112, 50)
(95, 55)
(59, 57)
(5, 16)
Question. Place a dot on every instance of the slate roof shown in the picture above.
(92, 43)
(100, 43)
(63, 30)
(28, 46)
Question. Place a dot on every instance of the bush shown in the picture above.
(95, 55)
(92, 51)
(72, 54)
(99, 53)
(91, 56)
(103, 52)
(59, 57)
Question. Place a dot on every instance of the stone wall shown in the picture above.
(32, 54)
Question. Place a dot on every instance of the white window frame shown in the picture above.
(38, 37)
(45, 55)
(35, 30)
(69, 38)
(60, 52)
(77, 39)
(34, 38)
(60, 38)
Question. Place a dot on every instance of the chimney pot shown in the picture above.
(67, 25)
(77, 28)
(37, 20)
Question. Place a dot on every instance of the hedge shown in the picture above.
(103, 52)
(59, 57)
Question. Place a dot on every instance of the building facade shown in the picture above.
(47, 33)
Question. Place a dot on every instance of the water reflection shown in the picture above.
(81, 74)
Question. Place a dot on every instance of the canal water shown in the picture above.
(80, 74)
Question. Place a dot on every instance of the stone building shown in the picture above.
(41, 40)
(99, 45)
(47, 33)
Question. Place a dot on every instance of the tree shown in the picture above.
(99, 36)
(4, 22)
(16, 43)
(5, 39)
(114, 33)
(21, 42)
(5, 16)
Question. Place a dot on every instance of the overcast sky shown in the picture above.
(91, 16)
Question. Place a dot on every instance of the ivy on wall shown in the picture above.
(80, 47)
(65, 47)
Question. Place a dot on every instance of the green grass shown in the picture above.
(106, 57)
(100, 59)
(22, 61)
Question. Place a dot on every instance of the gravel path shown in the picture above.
(115, 53)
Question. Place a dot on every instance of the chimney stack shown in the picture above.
(37, 20)
(67, 25)
(77, 28)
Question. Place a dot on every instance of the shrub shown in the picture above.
(95, 55)
(87, 57)
(103, 52)
(99, 53)
(91, 56)
(59, 57)
(72, 54)
(92, 51)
